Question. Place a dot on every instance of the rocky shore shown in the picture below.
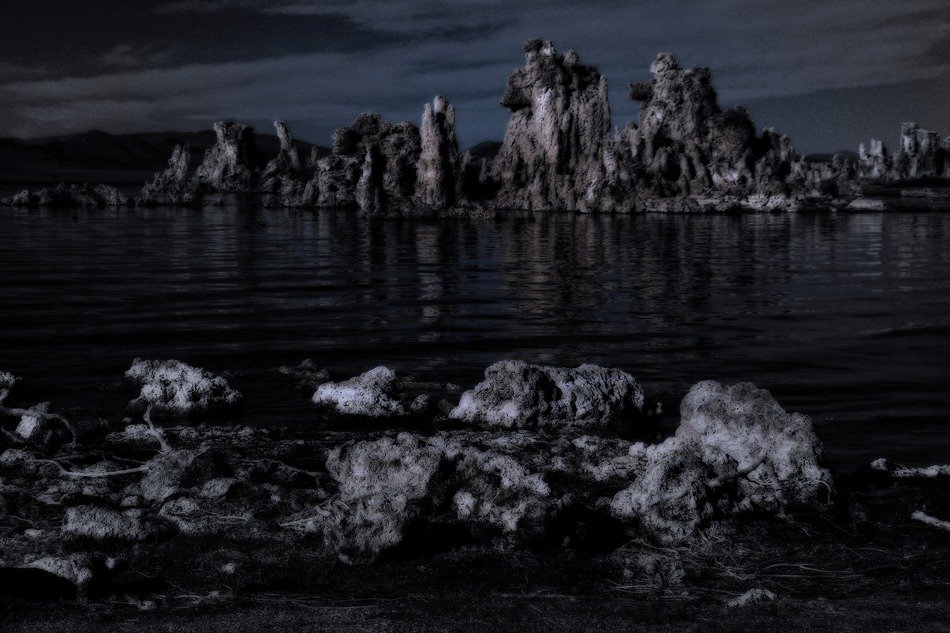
(532, 460)
(685, 153)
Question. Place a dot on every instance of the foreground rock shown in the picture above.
(736, 450)
(516, 394)
(375, 393)
(177, 388)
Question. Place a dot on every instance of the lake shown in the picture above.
(845, 317)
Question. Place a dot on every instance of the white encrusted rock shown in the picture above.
(171, 386)
(670, 499)
(516, 394)
(375, 393)
(741, 427)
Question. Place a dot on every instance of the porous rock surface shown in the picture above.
(229, 166)
(516, 394)
(557, 131)
(736, 450)
(175, 185)
(284, 168)
(375, 393)
(171, 386)
(739, 426)
(384, 485)
(439, 171)
(923, 155)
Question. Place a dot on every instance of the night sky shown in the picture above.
(829, 74)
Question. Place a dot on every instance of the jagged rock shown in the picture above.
(836, 178)
(229, 165)
(370, 196)
(752, 597)
(438, 184)
(923, 155)
(385, 485)
(873, 161)
(686, 144)
(174, 185)
(556, 134)
(337, 177)
(376, 393)
(516, 394)
(388, 155)
(80, 570)
(174, 387)
(307, 373)
(63, 195)
(284, 169)
(40, 426)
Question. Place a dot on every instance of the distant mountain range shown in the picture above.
(122, 157)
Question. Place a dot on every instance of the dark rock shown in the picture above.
(229, 165)
(285, 167)
(439, 171)
(67, 196)
(556, 134)
(516, 394)
(685, 144)
(174, 185)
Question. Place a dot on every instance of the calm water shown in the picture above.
(844, 317)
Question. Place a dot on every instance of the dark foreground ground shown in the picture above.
(868, 567)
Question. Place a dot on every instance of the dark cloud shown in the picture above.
(124, 66)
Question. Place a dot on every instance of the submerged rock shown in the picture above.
(516, 394)
(229, 165)
(557, 131)
(376, 393)
(174, 387)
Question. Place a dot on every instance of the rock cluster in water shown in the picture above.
(923, 155)
(685, 153)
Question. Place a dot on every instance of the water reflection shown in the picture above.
(844, 316)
